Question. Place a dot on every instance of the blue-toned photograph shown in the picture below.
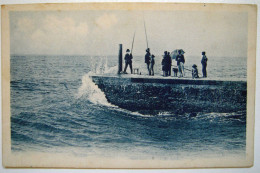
(165, 85)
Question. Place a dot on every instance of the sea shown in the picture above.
(56, 108)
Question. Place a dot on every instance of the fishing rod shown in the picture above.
(133, 43)
(145, 32)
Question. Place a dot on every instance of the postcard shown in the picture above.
(128, 85)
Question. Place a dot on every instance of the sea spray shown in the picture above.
(99, 65)
(91, 91)
(106, 65)
(111, 70)
(93, 65)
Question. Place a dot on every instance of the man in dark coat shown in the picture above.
(204, 64)
(169, 64)
(128, 60)
(164, 65)
(152, 65)
(147, 60)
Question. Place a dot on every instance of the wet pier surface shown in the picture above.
(153, 94)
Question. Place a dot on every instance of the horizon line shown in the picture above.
(15, 54)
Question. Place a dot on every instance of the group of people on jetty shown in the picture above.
(167, 64)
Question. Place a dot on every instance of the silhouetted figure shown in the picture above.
(164, 64)
(204, 64)
(175, 72)
(147, 60)
(195, 73)
(152, 65)
(169, 64)
(180, 63)
(128, 61)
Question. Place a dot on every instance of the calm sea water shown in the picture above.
(56, 108)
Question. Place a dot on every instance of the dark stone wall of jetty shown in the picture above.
(179, 96)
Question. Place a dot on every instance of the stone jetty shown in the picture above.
(149, 94)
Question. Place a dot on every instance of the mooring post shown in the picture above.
(120, 58)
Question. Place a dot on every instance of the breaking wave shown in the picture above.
(91, 91)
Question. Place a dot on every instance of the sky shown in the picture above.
(100, 32)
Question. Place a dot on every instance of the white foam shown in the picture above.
(91, 91)
(112, 70)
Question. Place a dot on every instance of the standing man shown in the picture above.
(128, 61)
(147, 60)
(204, 64)
(152, 64)
(165, 63)
(169, 64)
(180, 63)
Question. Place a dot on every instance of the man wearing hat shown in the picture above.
(169, 64)
(165, 64)
(147, 60)
(128, 60)
(204, 64)
(180, 63)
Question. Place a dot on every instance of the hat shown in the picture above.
(127, 50)
(148, 49)
(194, 65)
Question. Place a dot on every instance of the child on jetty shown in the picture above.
(175, 71)
(195, 71)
